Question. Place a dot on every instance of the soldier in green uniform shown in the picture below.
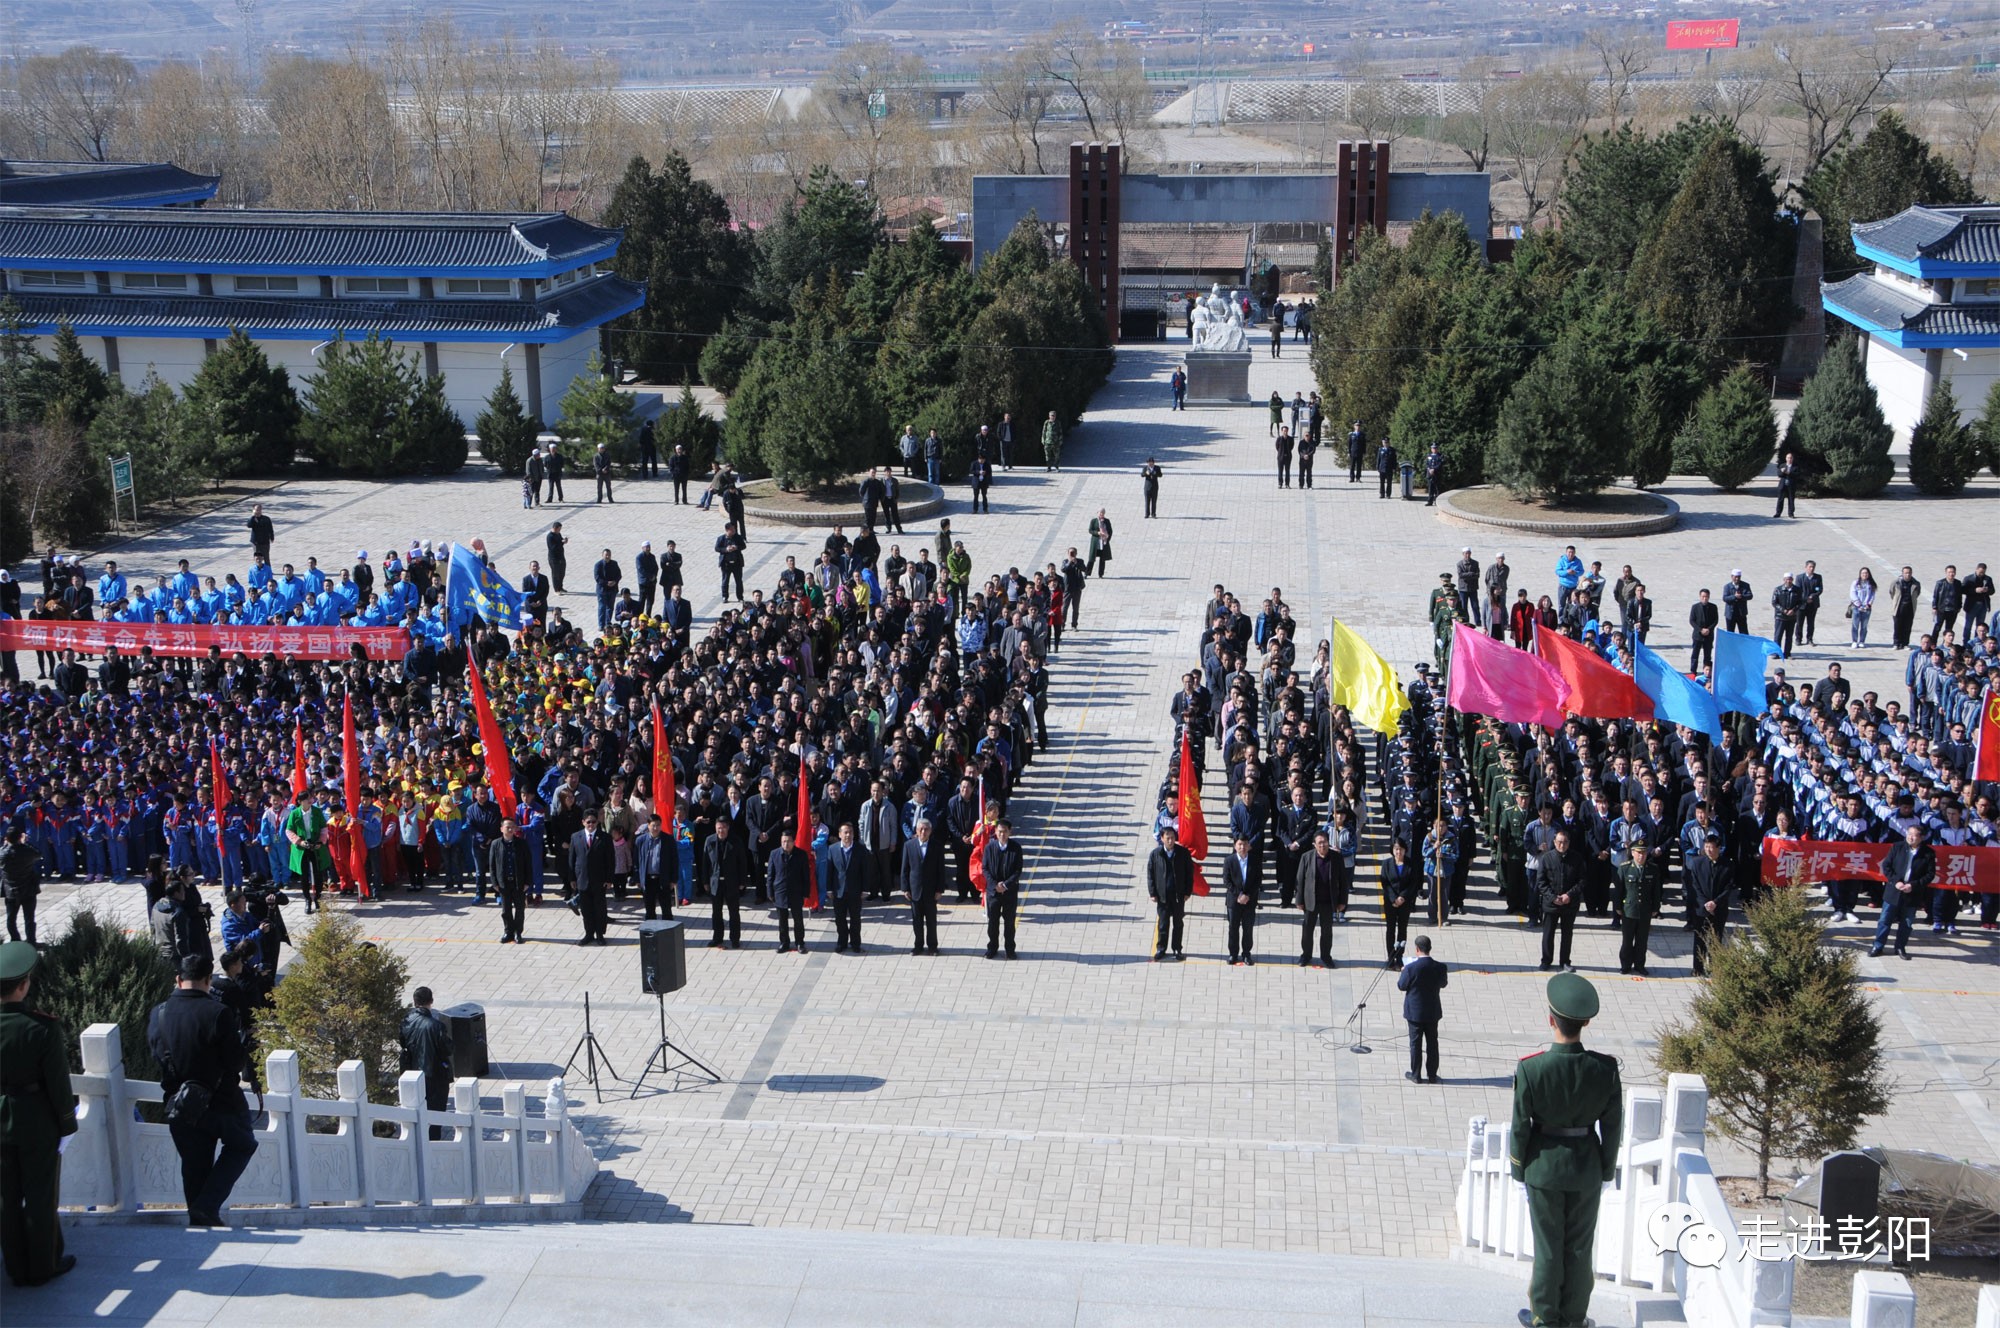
(1640, 886)
(1563, 1142)
(1511, 848)
(1443, 614)
(36, 1110)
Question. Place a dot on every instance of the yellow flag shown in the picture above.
(1362, 681)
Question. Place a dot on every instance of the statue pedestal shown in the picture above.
(1218, 377)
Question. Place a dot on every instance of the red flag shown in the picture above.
(802, 836)
(300, 783)
(1192, 824)
(218, 777)
(1597, 690)
(666, 798)
(350, 778)
(1987, 764)
(976, 868)
(493, 744)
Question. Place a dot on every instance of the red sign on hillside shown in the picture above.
(1701, 34)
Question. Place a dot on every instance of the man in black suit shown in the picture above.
(1561, 877)
(600, 466)
(1322, 889)
(1002, 861)
(535, 592)
(1402, 882)
(845, 873)
(590, 864)
(728, 867)
(510, 867)
(1703, 617)
(555, 477)
(1420, 982)
(923, 878)
(261, 532)
(788, 875)
(558, 560)
(1239, 896)
(1909, 875)
(1169, 882)
(1708, 881)
(763, 822)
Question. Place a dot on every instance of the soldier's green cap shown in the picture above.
(1572, 996)
(17, 960)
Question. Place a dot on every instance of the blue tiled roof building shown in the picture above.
(1929, 308)
(155, 288)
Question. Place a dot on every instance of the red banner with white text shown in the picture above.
(1701, 34)
(1814, 861)
(91, 638)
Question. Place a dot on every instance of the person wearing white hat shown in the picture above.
(1736, 597)
(646, 566)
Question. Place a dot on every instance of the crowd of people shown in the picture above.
(1600, 816)
(911, 697)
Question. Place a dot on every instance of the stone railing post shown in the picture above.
(410, 1097)
(285, 1101)
(352, 1085)
(104, 1055)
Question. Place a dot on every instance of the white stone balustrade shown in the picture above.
(484, 1160)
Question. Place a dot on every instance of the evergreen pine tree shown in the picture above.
(1838, 434)
(595, 412)
(688, 425)
(98, 973)
(76, 386)
(727, 354)
(1986, 429)
(506, 434)
(243, 397)
(1781, 1032)
(1717, 269)
(430, 437)
(342, 999)
(1943, 452)
(1560, 431)
(172, 455)
(1732, 429)
(1651, 429)
(1887, 171)
(72, 499)
(354, 404)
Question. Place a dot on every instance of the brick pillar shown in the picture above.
(1094, 172)
(1360, 197)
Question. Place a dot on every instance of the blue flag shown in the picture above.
(1677, 699)
(1739, 671)
(472, 588)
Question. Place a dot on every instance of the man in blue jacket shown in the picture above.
(1420, 982)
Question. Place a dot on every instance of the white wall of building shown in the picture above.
(471, 369)
(1971, 378)
(561, 363)
(1898, 378)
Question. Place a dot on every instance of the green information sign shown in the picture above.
(121, 474)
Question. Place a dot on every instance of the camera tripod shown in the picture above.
(592, 1052)
(666, 1046)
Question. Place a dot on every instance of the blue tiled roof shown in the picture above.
(558, 318)
(1934, 241)
(361, 244)
(1907, 320)
(101, 184)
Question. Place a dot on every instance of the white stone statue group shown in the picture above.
(1218, 322)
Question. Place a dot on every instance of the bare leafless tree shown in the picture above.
(1831, 83)
(1536, 121)
(337, 142)
(196, 118)
(1015, 109)
(1975, 110)
(86, 96)
(1621, 59)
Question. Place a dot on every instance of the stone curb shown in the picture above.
(1588, 526)
(343, 1215)
(920, 500)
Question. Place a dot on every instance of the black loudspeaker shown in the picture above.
(663, 965)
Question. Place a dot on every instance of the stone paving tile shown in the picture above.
(1083, 1093)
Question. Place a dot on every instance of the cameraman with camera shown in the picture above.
(180, 922)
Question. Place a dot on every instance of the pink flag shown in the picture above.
(1489, 677)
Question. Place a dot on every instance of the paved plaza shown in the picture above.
(1085, 1094)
